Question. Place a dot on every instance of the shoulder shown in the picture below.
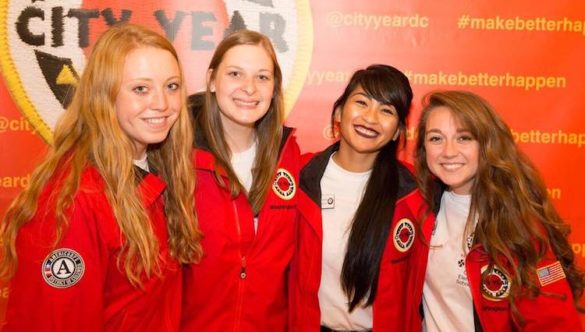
(204, 160)
(288, 143)
(406, 179)
(91, 181)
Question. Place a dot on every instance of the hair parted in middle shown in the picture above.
(268, 128)
(88, 133)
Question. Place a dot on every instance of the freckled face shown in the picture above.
(452, 151)
(150, 99)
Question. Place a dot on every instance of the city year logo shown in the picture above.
(284, 184)
(45, 42)
(403, 235)
(495, 285)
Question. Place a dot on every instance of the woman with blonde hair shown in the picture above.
(96, 242)
(499, 258)
(247, 167)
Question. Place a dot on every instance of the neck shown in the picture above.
(354, 161)
(139, 152)
(239, 138)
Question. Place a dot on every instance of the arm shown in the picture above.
(59, 288)
(554, 308)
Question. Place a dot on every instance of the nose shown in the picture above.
(370, 114)
(249, 86)
(450, 148)
(159, 101)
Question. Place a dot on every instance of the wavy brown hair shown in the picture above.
(268, 128)
(88, 134)
(516, 221)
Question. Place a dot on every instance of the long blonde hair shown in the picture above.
(88, 134)
(508, 198)
(268, 129)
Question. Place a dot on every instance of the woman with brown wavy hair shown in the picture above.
(96, 241)
(247, 168)
(499, 258)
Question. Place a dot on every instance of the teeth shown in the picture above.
(366, 131)
(452, 166)
(155, 120)
(246, 103)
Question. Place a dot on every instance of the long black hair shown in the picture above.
(371, 224)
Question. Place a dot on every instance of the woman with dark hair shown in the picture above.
(247, 167)
(359, 208)
(499, 259)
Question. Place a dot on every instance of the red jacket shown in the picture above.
(241, 282)
(543, 313)
(76, 285)
(394, 308)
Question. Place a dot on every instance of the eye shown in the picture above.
(434, 139)
(361, 102)
(388, 110)
(234, 74)
(265, 76)
(174, 86)
(141, 89)
(464, 138)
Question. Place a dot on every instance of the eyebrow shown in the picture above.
(150, 79)
(360, 94)
(434, 130)
(240, 68)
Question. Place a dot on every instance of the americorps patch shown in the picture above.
(44, 43)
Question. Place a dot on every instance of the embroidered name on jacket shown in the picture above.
(63, 268)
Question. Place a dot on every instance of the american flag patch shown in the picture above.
(550, 273)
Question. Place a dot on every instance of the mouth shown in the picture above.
(246, 103)
(156, 122)
(365, 131)
(452, 166)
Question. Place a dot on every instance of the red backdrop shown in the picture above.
(524, 58)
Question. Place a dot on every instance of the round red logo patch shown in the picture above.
(284, 184)
(403, 235)
(495, 285)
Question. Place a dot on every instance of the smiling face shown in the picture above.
(150, 99)
(365, 125)
(452, 153)
(243, 84)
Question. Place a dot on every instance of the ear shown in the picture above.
(397, 134)
(210, 80)
(337, 114)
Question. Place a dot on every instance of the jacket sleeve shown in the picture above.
(553, 309)
(59, 287)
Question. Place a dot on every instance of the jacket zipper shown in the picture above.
(243, 274)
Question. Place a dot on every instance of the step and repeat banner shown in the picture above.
(526, 59)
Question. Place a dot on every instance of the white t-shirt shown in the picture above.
(142, 162)
(242, 163)
(447, 302)
(342, 192)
